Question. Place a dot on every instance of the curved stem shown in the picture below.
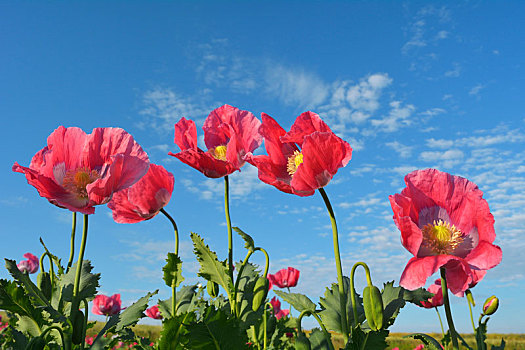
(173, 286)
(448, 313)
(51, 268)
(72, 244)
(335, 236)
(48, 329)
(267, 265)
(326, 334)
(229, 224)
(440, 322)
(352, 289)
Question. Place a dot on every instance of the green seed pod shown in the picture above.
(490, 306)
(302, 342)
(260, 291)
(44, 284)
(373, 304)
(37, 343)
(213, 289)
(78, 328)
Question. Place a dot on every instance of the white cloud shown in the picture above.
(403, 150)
(476, 90)
(365, 95)
(446, 159)
(398, 117)
(454, 72)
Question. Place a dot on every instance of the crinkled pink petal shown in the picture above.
(205, 163)
(458, 275)
(418, 270)
(278, 151)
(305, 124)
(485, 256)
(123, 210)
(271, 173)
(186, 134)
(411, 236)
(67, 146)
(477, 276)
(323, 154)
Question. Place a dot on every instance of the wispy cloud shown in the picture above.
(476, 90)
(404, 151)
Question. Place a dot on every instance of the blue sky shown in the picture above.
(409, 85)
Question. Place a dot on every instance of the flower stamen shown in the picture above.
(75, 181)
(219, 152)
(441, 237)
(294, 161)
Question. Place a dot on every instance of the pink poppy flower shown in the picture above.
(303, 159)
(154, 312)
(104, 305)
(276, 304)
(437, 299)
(145, 198)
(78, 171)
(285, 278)
(444, 222)
(30, 265)
(229, 134)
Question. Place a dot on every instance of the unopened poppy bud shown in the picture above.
(373, 305)
(260, 291)
(302, 342)
(213, 289)
(44, 284)
(78, 327)
(491, 305)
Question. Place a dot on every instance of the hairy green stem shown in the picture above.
(229, 224)
(173, 286)
(448, 313)
(335, 236)
(352, 289)
(51, 268)
(316, 316)
(72, 244)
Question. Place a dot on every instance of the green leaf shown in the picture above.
(481, 334)
(216, 331)
(88, 282)
(416, 296)
(28, 326)
(174, 334)
(14, 299)
(331, 314)
(299, 301)
(249, 243)
(430, 342)
(500, 347)
(393, 301)
(318, 340)
(370, 340)
(247, 280)
(184, 301)
(132, 314)
(465, 344)
(173, 270)
(211, 268)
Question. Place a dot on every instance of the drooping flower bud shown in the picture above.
(260, 291)
(213, 289)
(491, 305)
(44, 284)
(302, 342)
(373, 305)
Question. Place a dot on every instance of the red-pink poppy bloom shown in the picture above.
(419, 347)
(104, 305)
(30, 265)
(285, 278)
(78, 171)
(145, 198)
(444, 222)
(154, 312)
(277, 311)
(303, 159)
(437, 299)
(229, 134)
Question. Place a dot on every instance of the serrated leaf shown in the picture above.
(331, 314)
(184, 299)
(501, 346)
(367, 340)
(174, 334)
(211, 268)
(88, 282)
(216, 331)
(416, 296)
(14, 299)
(481, 334)
(28, 326)
(248, 240)
(173, 270)
(318, 340)
(430, 342)
(132, 314)
(299, 301)
(246, 284)
(393, 302)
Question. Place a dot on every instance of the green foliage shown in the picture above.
(360, 339)
(373, 305)
(245, 294)
(430, 343)
(331, 315)
(15, 300)
(185, 300)
(248, 240)
(318, 340)
(173, 270)
(88, 282)
(211, 268)
(481, 334)
(260, 292)
(302, 342)
(299, 301)
(174, 335)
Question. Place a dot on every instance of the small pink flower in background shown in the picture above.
(154, 312)
(285, 278)
(302, 160)
(444, 222)
(104, 305)
(419, 347)
(78, 171)
(437, 299)
(90, 340)
(229, 134)
(30, 265)
(145, 198)
(276, 304)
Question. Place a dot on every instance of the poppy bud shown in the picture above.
(373, 305)
(302, 342)
(37, 343)
(44, 284)
(260, 291)
(491, 305)
(213, 289)
(78, 327)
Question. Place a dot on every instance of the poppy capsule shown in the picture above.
(302, 342)
(213, 289)
(373, 304)
(260, 291)
(44, 284)
(491, 305)
(78, 327)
